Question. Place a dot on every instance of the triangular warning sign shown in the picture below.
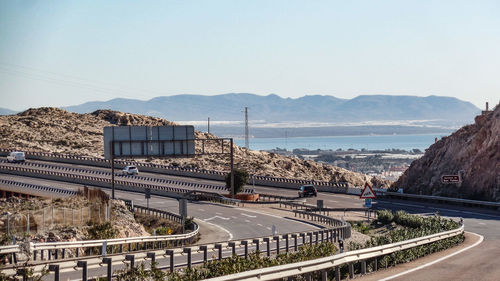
(367, 192)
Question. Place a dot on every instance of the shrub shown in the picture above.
(240, 179)
(101, 231)
(385, 216)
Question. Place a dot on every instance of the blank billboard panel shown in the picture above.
(143, 141)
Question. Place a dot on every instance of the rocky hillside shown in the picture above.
(59, 131)
(473, 151)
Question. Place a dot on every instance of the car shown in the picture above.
(130, 170)
(16, 156)
(308, 190)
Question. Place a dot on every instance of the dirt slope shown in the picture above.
(473, 151)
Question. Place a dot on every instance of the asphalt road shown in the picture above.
(477, 263)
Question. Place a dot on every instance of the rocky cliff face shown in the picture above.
(58, 131)
(473, 151)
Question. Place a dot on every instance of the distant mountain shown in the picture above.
(5, 111)
(272, 108)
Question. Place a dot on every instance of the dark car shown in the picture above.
(308, 190)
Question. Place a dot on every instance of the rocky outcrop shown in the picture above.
(473, 152)
(59, 131)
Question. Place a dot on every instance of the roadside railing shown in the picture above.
(182, 171)
(440, 199)
(268, 245)
(323, 265)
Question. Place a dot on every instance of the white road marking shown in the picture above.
(268, 228)
(247, 215)
(223, 229)
(247, 221)
(222, 218)
(201, 210)
(333, 201)
(259, 224)
(481, 223)
(481, 238)
(220, 214)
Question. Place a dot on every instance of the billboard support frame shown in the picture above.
(231, 153)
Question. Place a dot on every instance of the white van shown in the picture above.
(16, 156)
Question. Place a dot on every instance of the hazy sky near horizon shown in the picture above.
(60, 53)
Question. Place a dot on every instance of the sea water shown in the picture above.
(371, 142)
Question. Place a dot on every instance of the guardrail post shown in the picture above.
(245, 243)
(233, 247)
(268, 249)
(83, 265)
(287, 245)
(363, 267)
(188, 252)
(219, 249)
(337, 273)
(204, 248)
(152, 257)
(303, 235)
(324, 275)
(130, 258)
(316, 236)
(56, 254)
(277, 238)
(308, 276)
(375, 264)
(109, 269)
(257, 244)
(295, 245)
(351, 270)
(310, 234)
(171, 254)
(55, 268)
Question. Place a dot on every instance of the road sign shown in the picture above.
(367, 192)
(368, 202)
(450, 179)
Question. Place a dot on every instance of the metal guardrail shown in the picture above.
(323, 264)
(175, 170)
(9, 249)
(38, 187)
(282, 242)
(442, 199)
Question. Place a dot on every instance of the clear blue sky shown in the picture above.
(57, 53)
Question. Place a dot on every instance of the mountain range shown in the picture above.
(311, 108)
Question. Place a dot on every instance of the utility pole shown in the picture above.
(208, 125)
(246, 128)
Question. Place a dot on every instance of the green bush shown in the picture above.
(385, 216)
(101, 231)
(229, 265)
(240, 179)
(404, 219)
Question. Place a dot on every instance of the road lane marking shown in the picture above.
(220, 214)
(481, 238)
(222, 228)
(247, 215)
(333, 201)
(201, 210)
(268, 228)
(259, 224)
(481, 223)
(247, 221)
(222, 218)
